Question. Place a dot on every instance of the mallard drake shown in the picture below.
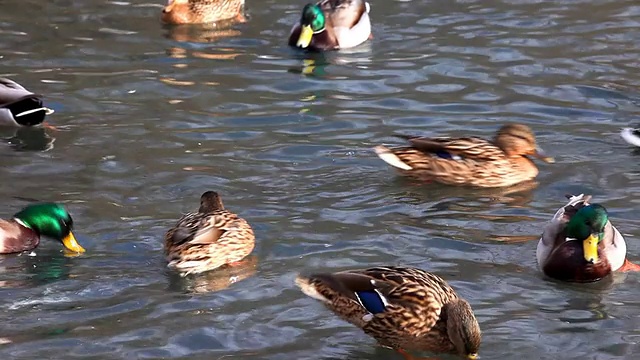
(208, 239)
(19, 106)
(23, 231)
(402, 308)
(471, 161)
(580, 244)
(631, 136)
(332, 25)
(202, 11)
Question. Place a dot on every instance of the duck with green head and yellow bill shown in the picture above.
(581, 245)
(23, 231)
(403, 308)
(332, 25)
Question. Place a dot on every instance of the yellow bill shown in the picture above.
(590, 247)
(473, 356)
(305, 36)
(70, 243)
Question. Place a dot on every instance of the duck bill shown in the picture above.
(590, 247)
(472, 356)
(540, 154)
(305, 37)
(71, 244)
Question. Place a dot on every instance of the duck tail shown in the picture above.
(390, 158)
(631, 136)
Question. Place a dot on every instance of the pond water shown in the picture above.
(148, 117)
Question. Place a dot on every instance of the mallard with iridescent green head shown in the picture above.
(401, 307)
(23, 231)
(332, 25)
(581, 245)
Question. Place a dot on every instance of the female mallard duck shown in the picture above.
(332, 25)
(402, 308)
(23, 232)
(208, 239)
(471, 161)
(631, 136)
(580, 244)
(202, 11)
(19, 106)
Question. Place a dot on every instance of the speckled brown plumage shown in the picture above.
(421, 312)
(202, 11)
(208, 239)
(470, 160)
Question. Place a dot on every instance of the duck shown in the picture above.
(631, 136)
(469, 161)
(23, 231)
(332, 25)
(403, 308)
(19, 106)
(179, 12)
(580, 244)
(208, 239)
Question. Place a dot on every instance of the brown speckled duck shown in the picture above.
(472, 161)
(208, 239)
(23, 231)
(401, 307)
(202, 11)
(581, 245)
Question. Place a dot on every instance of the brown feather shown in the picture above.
(16, 238)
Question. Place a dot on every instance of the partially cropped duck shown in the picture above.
(472, 161)
(202, 11)
(581, 245)
(19, 106)
(631, 136)
(23, 231)
(332, 25)
(401, 307)
(208, 239)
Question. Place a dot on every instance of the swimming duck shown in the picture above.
(471, 161)
(202, 11)
(19, 106)
(581, 245)
(332, 25)
(23, 231)
(208, 239)
(401, 307)
(631, 135)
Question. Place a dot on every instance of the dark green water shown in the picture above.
(150, 117)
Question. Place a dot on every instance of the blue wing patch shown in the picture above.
(372, 301)
(446, 155)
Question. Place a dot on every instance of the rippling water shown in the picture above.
(148, 117)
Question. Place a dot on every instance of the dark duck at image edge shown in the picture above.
(580, 244)
(403, 308)
(23, 231)
(19, 106)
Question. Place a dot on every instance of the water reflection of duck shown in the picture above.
(27, 138)
(473, 161)
(216, 280)
(202, 11)
(580, 244)
(19, 106)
